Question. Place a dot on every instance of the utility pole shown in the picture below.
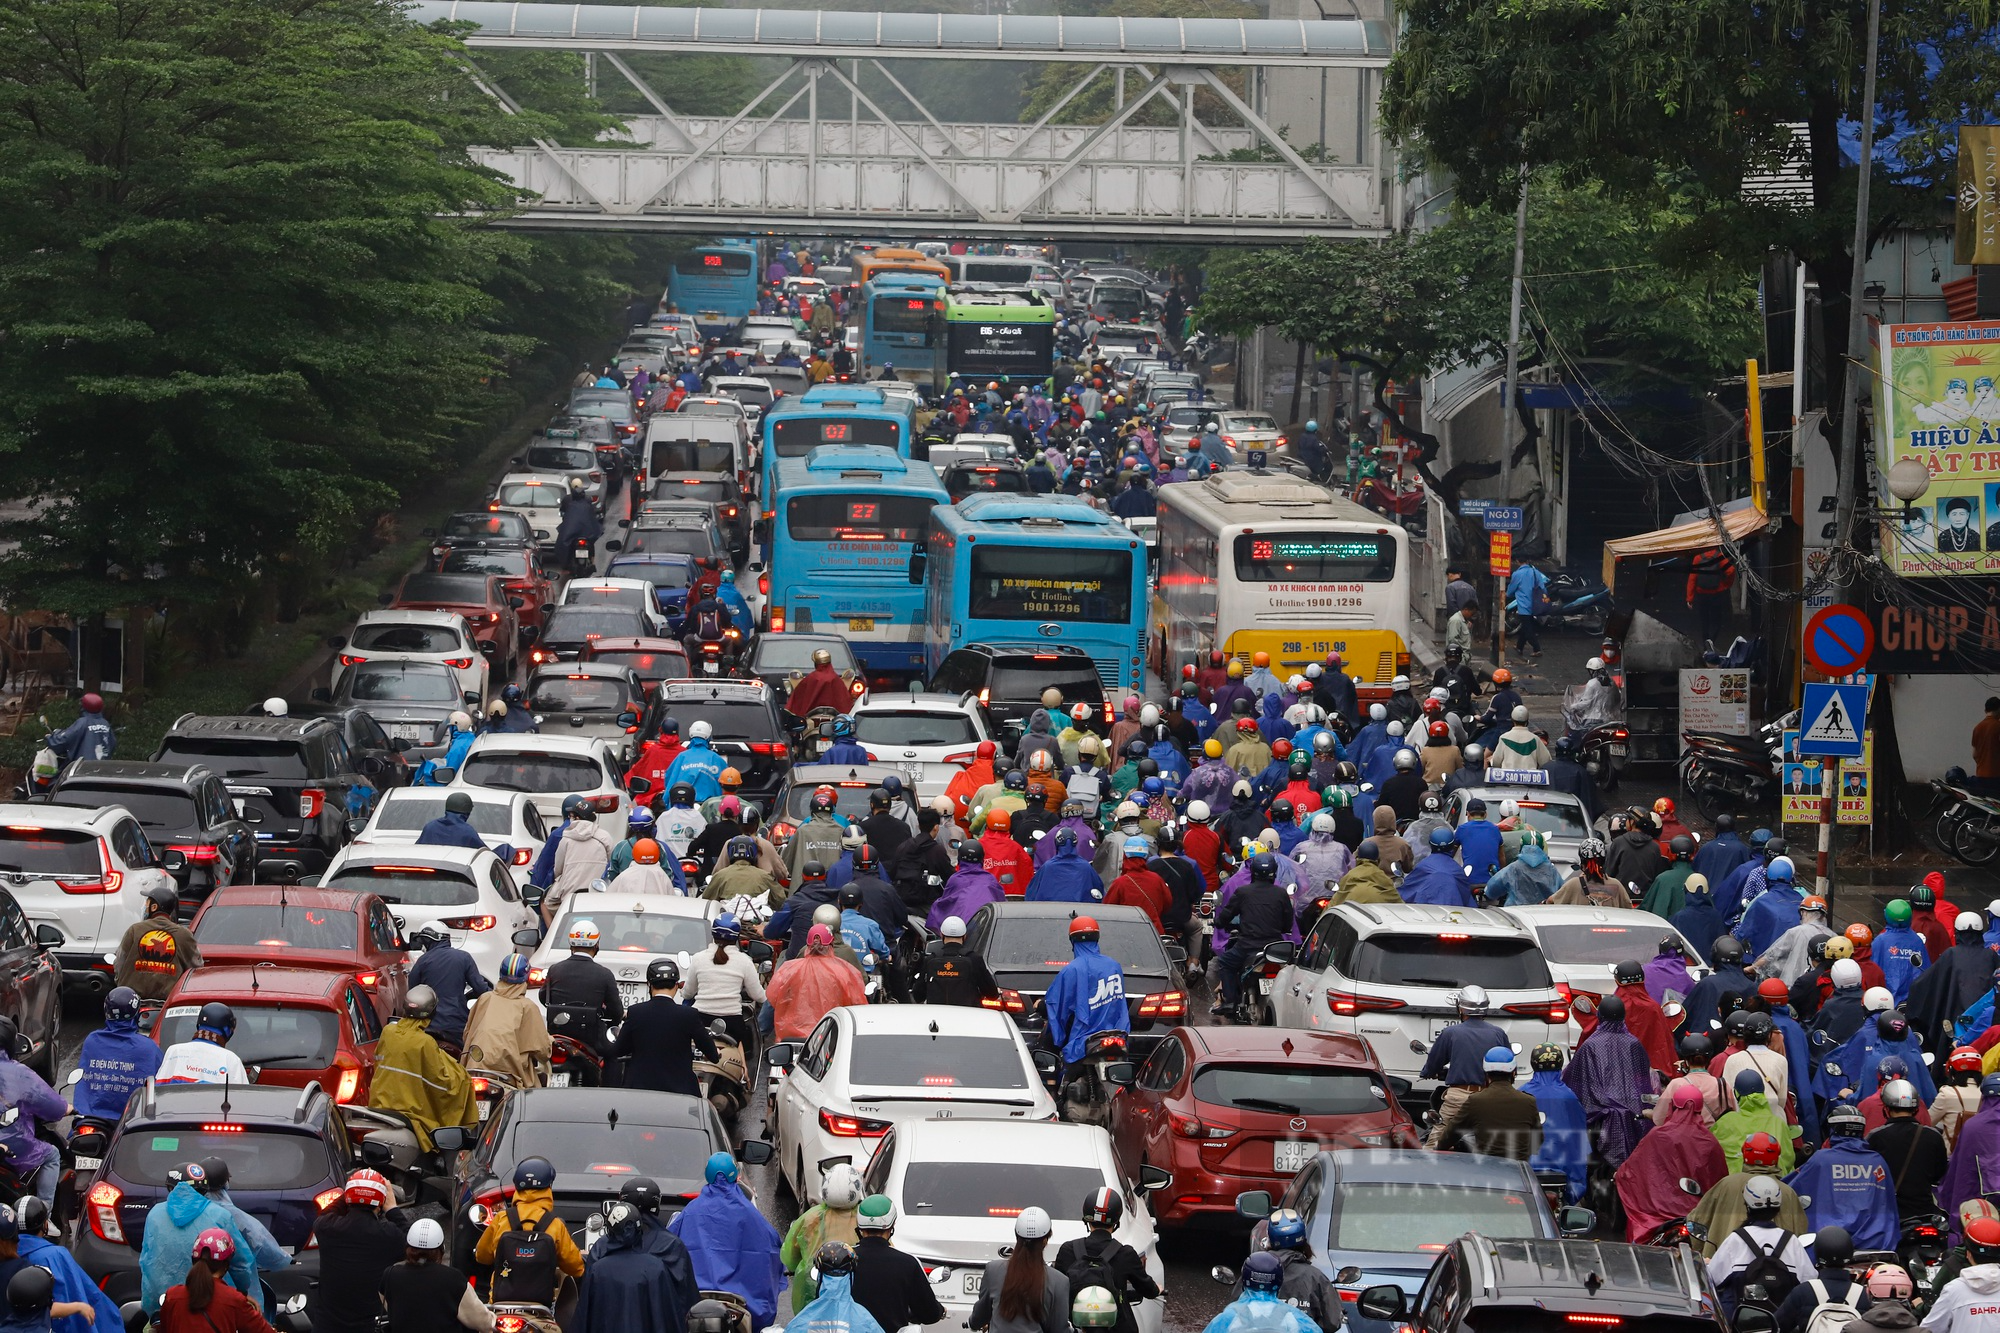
(1507, 407)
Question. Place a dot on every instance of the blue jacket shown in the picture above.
(733, 1247)
(1902, 955)
(1704, 1002)
(115, 1060)
(171, 1228)
(1850, 1186)
(1173, 764)
(834, 1310)
(1440, 881)
(698, 765)
(454, 758)
(861, 934)
(1775, 911)
(1272, 779)
(1087, 996)
(1699, 922)
(518, 720)
(844, 752)
(1479, 848)
(1860, 1057)
(1272, 723)
(1380, 765)
(1289, 836)
(265, 1252)
(1720, 855)
(89, 737)
(1565, 1135)
(739, 610)
(1522, 586)
(450, 971)
(1458, 1056)
(1798, 1061)
(1065, 878)
(1739, 889)
(22, 1087)
(543, 872)
(72, 1284)
(450, 830)
(1261, 1312)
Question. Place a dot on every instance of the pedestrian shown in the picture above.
(1528, 589)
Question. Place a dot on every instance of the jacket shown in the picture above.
(809, 1230)
(969, 889)
(1850, 1186)
(581, 859)
(538, 1207)
(450, 829)
(1325, 861)
(1753, 1115)
(817, 839)
(1087, 995)
(1367, 883)
(229, 1311)
(1479, 848)
(732, 1246)
(171, 1227)
(658, 1039)
(1499, 1120)
(953, 976)
(664, 1245)
(1141, 888)
(73, 1284)
(1065, 878)
(1053, 1317)
(1970, 1304)
(699, 766)
(413, 1077)
(1130, 1279)
(891, 1285)
(450, 972)
(22, 1088)
(115, 1060)
(834, 1310)
(626, 1288)
(1565, 1131)
(1261, 1312)
(580, 996)
(356, 1247)
(1258, 914)
(1439, 880)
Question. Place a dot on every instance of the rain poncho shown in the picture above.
(1087, 996)
(171, 1228)
(1324, 861)
(969, 889)
(732, 1246)
(700, 766)
(1860, 1057)
(1978, 1017)
(1739, 888)
(1790, 956)
(1438, 880)
(810, 1230)
(1039, 738)
(1798, 1064)
(1668, 892)
(1704, 1006)
(454, 759)
(23, 1088)
(1667, 975)
(1367, 883)
(581, 857)
(416, 1079)
(1753, 1115)
(1680, 1145)
(1722, 854)
(1610, 1076)
(1699, 922)
(834, 1310)
(806, 989)
(1902, 956)
(1645, 1021)
(624, 1288)
(72, 1284)
(1261, 1312)
(1775, 911)
(1850, 1186)
(1086, 840)
(1957, 977)
(1721, 1210)
(1565, 1133)
(508, 1034)
(1974, 1170)
(1526, 880)
(115, 1060)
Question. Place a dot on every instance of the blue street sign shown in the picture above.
(1832, 720)
(1503, 518)
(1473, 508)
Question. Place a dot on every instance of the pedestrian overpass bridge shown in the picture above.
(898, 170)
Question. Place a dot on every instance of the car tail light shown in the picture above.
(1554, 1012)
(1164, 1004)
(777, 620)
(604, 804)
(852, 1126)
(368, 980)
(101, 1206)
(767, 747)
(351, 659)
(536, 976)
(523, 855)
(460, 662)
(326, 1199)
(472, 922)
(311, 801)
(963, 758)
(1346, 1003)
(1007, 1001)
(110, 881)
(1596, 1320)
(199, 852)
(539, 655)
(350, 1083)
(764, 585)
(1191, 1127)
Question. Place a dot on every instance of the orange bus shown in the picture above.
(889, 260)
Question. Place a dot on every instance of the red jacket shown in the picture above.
(1203, 846)
(655, 758)
(1006, 862)
(1302, 796)
(229, 1311)
(1140, 887)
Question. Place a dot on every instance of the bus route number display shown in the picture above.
(835, 432)
(712, 261)
(1264, 550)
(860, 512)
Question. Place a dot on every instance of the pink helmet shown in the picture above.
(215, 1244)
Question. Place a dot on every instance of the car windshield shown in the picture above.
(276, 1038)
(472, 560)
(1599, 942)
(154, 807)
(49, 851)
(573, 624)
(936, 1062)
(650, 665)
(560, 458)
(674, 541)
(1404, 1217)
(530, 495)
(258, 1160)
(406, 639)
(516, 770)
(995, 1189)
(503, 527)
(406, 811)
(661, 574)
(1450, 960)
(1558, 819)
(635, 932)
(284, 761)
(1038, 942)
(599, 1148)
(279, 926)
(776, 653)
(1022, 678)
(1291, 1089)
(398, 682)
(913, 727)
(692, 456)
(578, 694)
(418, 886)
(851, 800)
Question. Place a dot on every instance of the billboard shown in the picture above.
(1938, 401)
(1800, 779)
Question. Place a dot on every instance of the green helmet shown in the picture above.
(1338, 799)
(1897, 913)
(1094, 1307)
(1301, 762)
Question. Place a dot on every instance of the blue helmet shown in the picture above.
(1065, 841)
(725, 928)
(1990, 1086)
(1262, 1272)
(571, 804)
(1137, 845)
(843, 726)
(1312, 425)
(514, 969)
(1153, 786)
(641, 817)
(1285, 1230)
(893, 785)
(1442, 838)
(1779, 870)
(669, 727)
(534, 1173)
(720, 1167)
(513, 694)
(122, 1004)
(1263, 868)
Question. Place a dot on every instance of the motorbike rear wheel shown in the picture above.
(1947, 824)
(1712, 800)
(1969, 846)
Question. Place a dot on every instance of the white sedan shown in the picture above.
(866, 1069)
(638, 594)
(1582, 944)
(469, 893)
(632, 930)
(959, 1186)
(548, 768)
(930, 737)
(404, 635)
(503, 819)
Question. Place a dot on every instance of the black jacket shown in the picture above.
(422, 1298)
(953, 976)
(658, 1040)
(891, 1286)
(1030, 820)
(885, 833)
(356, 1247)
(708, 847)
(1184, 881)
(1305, 1288)
(1125, 1264)
(1916, 1156)
(912, 868)
(1797, 1309)
(587, 994)
(1256, 914)
(880, 904)
(1404, 793)
(1634, 857)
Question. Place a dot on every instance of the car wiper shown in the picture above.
(1266, 1104)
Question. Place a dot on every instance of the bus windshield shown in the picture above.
(1315, 557)
(1037, 582)
(797, 437)
(903, 314)
(869, 516)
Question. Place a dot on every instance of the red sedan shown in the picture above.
(297, 1025)
(327, 930)
(482, 599)
(1242, 1108)
(523, 577)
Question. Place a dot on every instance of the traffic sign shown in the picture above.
(1839, 640)
(1503, 518)
(1501, 553)
(1835, 717)
(1468, 508)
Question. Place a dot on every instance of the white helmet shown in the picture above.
(952, 928)
(1268, 839)
(1395, 728)
(1846, 973)
(1315, 714)
(1314, 671)
(583, 934)
(1376, 712)
(841, 1187)
(1520, 715)
(1400, 683)
(1876, 999)
(1322, 822)
(1509, 808)
(1440, 693)
(1968, 921)
(1761, 1192)
(425, 1234)
(1126, 810)
(275, 706)
(461, 720)
(1197, 812)
(1405, 760)
(1594, 664)
(1033, 1224)
(1474, 1000)
(1149, 716)
(1293, 681)
(700, 731)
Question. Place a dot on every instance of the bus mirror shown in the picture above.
(917, 562)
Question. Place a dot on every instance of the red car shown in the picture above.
(523, 577)
(1243, 1108)
(327, 930)
(482, 599)
(298, 1025)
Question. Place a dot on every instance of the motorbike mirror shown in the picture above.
(1224, 1274)
(1583, 1004)
(1750, 1319)
(1153, 1178)
(133, 1316)
(449, 1138)
(1930, 1058)
(75, 1077)
(759, 950)
(1672, 1010)
(1689, 1185)
(377, 1155)
(526, 938)
(753, 1152)
(479, 1215)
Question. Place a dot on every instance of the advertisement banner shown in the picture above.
(1938, 401)
(1716, 699)
(1800, 785)
(1500, 553)
(1976, 240)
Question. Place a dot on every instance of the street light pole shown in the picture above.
(1507, 407)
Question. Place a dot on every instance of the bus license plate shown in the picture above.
(861, 624)
(1292, 1154)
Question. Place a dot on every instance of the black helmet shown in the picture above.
(971, 853)
(1726, 823)
(1135, 750)
(1697, 1050)
(32, 1290)
(1564, 747)
(812, 870)
(834, 1257)
(864, 859)
(642, 1193)
(1737, 1026)
(1726, 951)
(164, 897)
(32, 1214)
(1281, 812)
(215, 1175)
(1546, 1057)
(1103, 1207)
(663, 974)
(1015, 780)
(681, 791)
(1628, 972)
(850, 897)
(1263, 868)
(1759, 1028)
(534, 1173)
(216, 1018)
(710, 1316)
(1833, 1247)
(879, 799)
(1149, 767)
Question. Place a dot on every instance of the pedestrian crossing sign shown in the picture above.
(1833, 718)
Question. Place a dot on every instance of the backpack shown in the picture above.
(1089, 1269)
(1830, 1315)
(524, 1263)
(1766, 1280)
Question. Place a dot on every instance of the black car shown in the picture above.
(288, 1155)
(971, 477)
(1553, 1286)
(749, 733)
(587, 698)
(732, 508)
(569, 628)
(1025, 944)
(293, 778)
(481, 527)
(184, 808)
(31, 986)
(596, 1139)
(366, 739)
(676, 534)
(1009, 679)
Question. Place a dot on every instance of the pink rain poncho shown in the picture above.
(1649, 1181)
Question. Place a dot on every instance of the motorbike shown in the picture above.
(291, 1314)
(1087, 1084)
(573, 1063)
(725, 1081)
(719, 656)
(1731, 774)
(489, 1088)
(88, 1138)
(1922, 1249)
(1975, 833)
(1254, 988)
(524, 1317)
(1575, 602)
(582, 558)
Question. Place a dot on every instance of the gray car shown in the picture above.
(564, 454)
(411, 699)
(587, 699)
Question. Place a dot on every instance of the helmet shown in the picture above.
(583, 934)
(1982, 1238)
(742, 849)
(427, 936)
(952, 928)
(1283, 812)
(370, 1189)
(1845, 972)
(1198, 812)
(1498, 1060)
(663, 974)
(841, 1187)
(1697, 1049)
(1000, 821)
(876, 1213)
(1897, 913)
(425, 1234)
(1503, 677)
(1591, 849)
(1845, 1121)
(828, 915)
(122, 1005)
(821, 657)
(1083, 928)
(1965, 1060)
(1263, 868)
(1473, 1000)
(834, 1259)
(700, 731)
(1887, 1282)
(1093, 1307)
(1548, 1057)
(970, 853)
(1727, 949)
(1628, 972)
(1762, 1194)
(1262, 1272)
(1774, 990)
(421, 1002)
(1760, 1150)
(213, 1244)
(1103, 1207)
(534, 1173)
(217, 1021)
(514, 969)
(1033, 1224)
(646, 852)
(1141, 846)
(1443, 838)
(639, 820)
(1781, 871)
(1837, 947)
(1899, 1095)
(1474, 753)
(1832, 1246)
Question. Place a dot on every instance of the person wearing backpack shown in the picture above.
(526, 1244)
(1760, 1262)
(1302, 1286)
(1828, 1302)
(1100, 1259)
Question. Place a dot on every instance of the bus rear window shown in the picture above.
(797, 438)
(1315, 557)
(861, 516)
(904, 314)
(1040, 582)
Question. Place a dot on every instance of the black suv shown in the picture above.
(1009, 679)
(184, 808)
(291, 776)
(749, 734)
(970, 476)
(1482, 1285)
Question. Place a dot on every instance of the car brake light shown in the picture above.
(326, 1199)
(108, 882)
(767, 747)
(764, 585)
(460, 662)
(852, 1126)
(963, 758)
(523, 855)
(1346, 1003)
(102, 1206)
(350, 659)
(604, 804)
(536, 975)
(350, 1083)
(1164, 1004)
(311, 801)
(472, 922)
(196, 851)
(1007, 1001)
(368, 980)
(1596, 1320)
(221, 1127)
(1556, 1012)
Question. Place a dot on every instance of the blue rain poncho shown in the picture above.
(1087, 996)
(834, 1310)
(115, 1060)
(733, 1247)
(1261, 1312)
(1066, 878)
(72, 1284)
(171, 1229)
(1902, 956)
(625, 1287)
(1850, 1186)
(1565, 1133)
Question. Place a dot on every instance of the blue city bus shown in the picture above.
(1044, 569)
(848, 518)
(717, 284)
(902, 324)
(840, 414)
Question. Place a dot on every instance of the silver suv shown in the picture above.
(1392, 972)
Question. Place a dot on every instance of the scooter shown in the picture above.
(1575, 602)
(1729, 774)
(1087, 1084)
(1922, 1250)
(523, 1317)
(572, 1063)
(489, 1088)
(725, 1081)
(582, 559)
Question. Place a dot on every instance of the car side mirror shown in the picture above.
(354, 827)
(1120, 1073)
(639, 786)
(760, 951)
(49, 937)
(1175, 953)
(1154, 1178)
(526, 938)
(1386, 1302)
(1577, 1222)
(1750, 1319)
(444, 775)
(624, 522)
(630, 721)
(753, 1152)
(517, 602)
(782, 1055)
(449, 1138)
(1255, 1205)
(368, 766)
(488, 648)
(532, 895)
(173, 861)
(320, 694)
(1280, 951)
(471, 698)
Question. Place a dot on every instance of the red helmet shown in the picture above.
(1441, 729)
(1965, 1060)
(1085, 925)
(1433, 705)
(1281, 748)
(1187, 672)
(1664, 807)
(1774, 990)
(1245, 724)
(1760, 1150)
(92, 703)
(986, 750)
(1217, 657)
(370, 1187)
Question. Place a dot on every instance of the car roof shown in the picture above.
(1379, 1166)
(1495, 793)
(427, 856)
(293, 895)
(945, 1020)
(268, 728)
(242, 1103)
(135, 773)
(1243, 1044)
(408, 615)
(595, 670)
(1606, 1274)
(1423, 918)
(591, 1105)
(1042, 1142)
(607, 582)
(738, 691)
(258, 983)
(521, 742)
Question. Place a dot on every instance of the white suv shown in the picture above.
(1391, 973)
(930, 737)
(84, 872)
(548, 768)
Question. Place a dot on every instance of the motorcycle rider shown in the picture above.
(1065, 876)
(416, 1078)
(698, 765)
(1261, 1307)
(205, 1057)
(807, 988)
(582, 857)
(889, 1283)
(733, 1247)
(680, 823)
(1366, 881)
(1916, 1153)
(1099, 1259)
(970, 887)
(822, 687)
(741, 875)
(652, 1236)
(74, 1303)
(1086, 996)
(624, 1285)
(831, 1219)
(450, 972)
(885, 831)
(1303, 1286)
(659, 1034)
(1966, 1303)
(1565, 1128)
(1849, 1184)
(579, 524)
(1760, 1250)
(34, 1161)
(818, 837)
(526, 1243)
(453, 828)
(580, 993)
(422, 1293)
(513, 717)
(1499, 1120)
(645, 874)
(173, 1227)
(1137, 886)
(725, 983)
(156, 949)
(1458, 1059)
(953, 976)
(88, 737)
(115, 1060)
(507, 1032)
(1256, 915)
